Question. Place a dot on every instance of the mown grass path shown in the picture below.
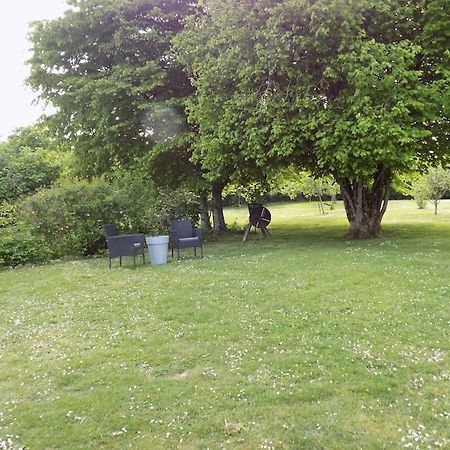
(302, 340)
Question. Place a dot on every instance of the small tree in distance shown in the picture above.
(292, 182)
(431, 187)
(438, 181)
(320, 188)
(421, 192)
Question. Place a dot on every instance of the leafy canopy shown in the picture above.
(30, 159)
(107, 67)
(338, 87)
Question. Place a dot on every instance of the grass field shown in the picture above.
(302, 340)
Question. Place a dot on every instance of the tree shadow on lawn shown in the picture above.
(333, 235)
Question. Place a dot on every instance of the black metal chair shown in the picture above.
(183, 235)
(123, 244)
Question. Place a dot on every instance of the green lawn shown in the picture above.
(301, 340)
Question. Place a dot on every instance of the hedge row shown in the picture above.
(68, 220)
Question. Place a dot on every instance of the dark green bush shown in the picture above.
(7, 214)
(136, 193)
(70, 217)
(148, 209)
(24, 170)
(169, 205)
(19, 246)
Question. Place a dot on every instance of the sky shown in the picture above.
(16, 108)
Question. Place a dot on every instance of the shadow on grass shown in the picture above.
(312, 235)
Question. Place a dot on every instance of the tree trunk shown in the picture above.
(333, 202)
(205, 221)
(365, 205)
(320, 202)
(217, 206)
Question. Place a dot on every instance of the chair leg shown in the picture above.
(195, 251)
(172, 252)
(201, 250)
(120, 261)
(178, 253)
(110, 263)
(143, 258)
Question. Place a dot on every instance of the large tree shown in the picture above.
(348, 88)
(107, 68)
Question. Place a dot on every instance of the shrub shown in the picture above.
(70, 217)
(169, 205)
(7, 214)
(24, 170)
(19, 246)
(421, 192)
(135, 193)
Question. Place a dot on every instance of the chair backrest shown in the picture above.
(183, 228)
(110, 230)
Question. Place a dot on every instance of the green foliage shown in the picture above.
(357, 90)
(319, 187)
(169, 164)
(36, 136)
(340, 88)
(403, 183)
(421, 192)
(338, 102)
(70, 217)
(134, 191)
(291, 182)
(7, 214)
(288, 181)
(170, 205)
(28, 161)
(107, 67)
(18, 245)
(434, 40)
(151, 207)
(438, 181)
(250, 192)
(431, 187)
